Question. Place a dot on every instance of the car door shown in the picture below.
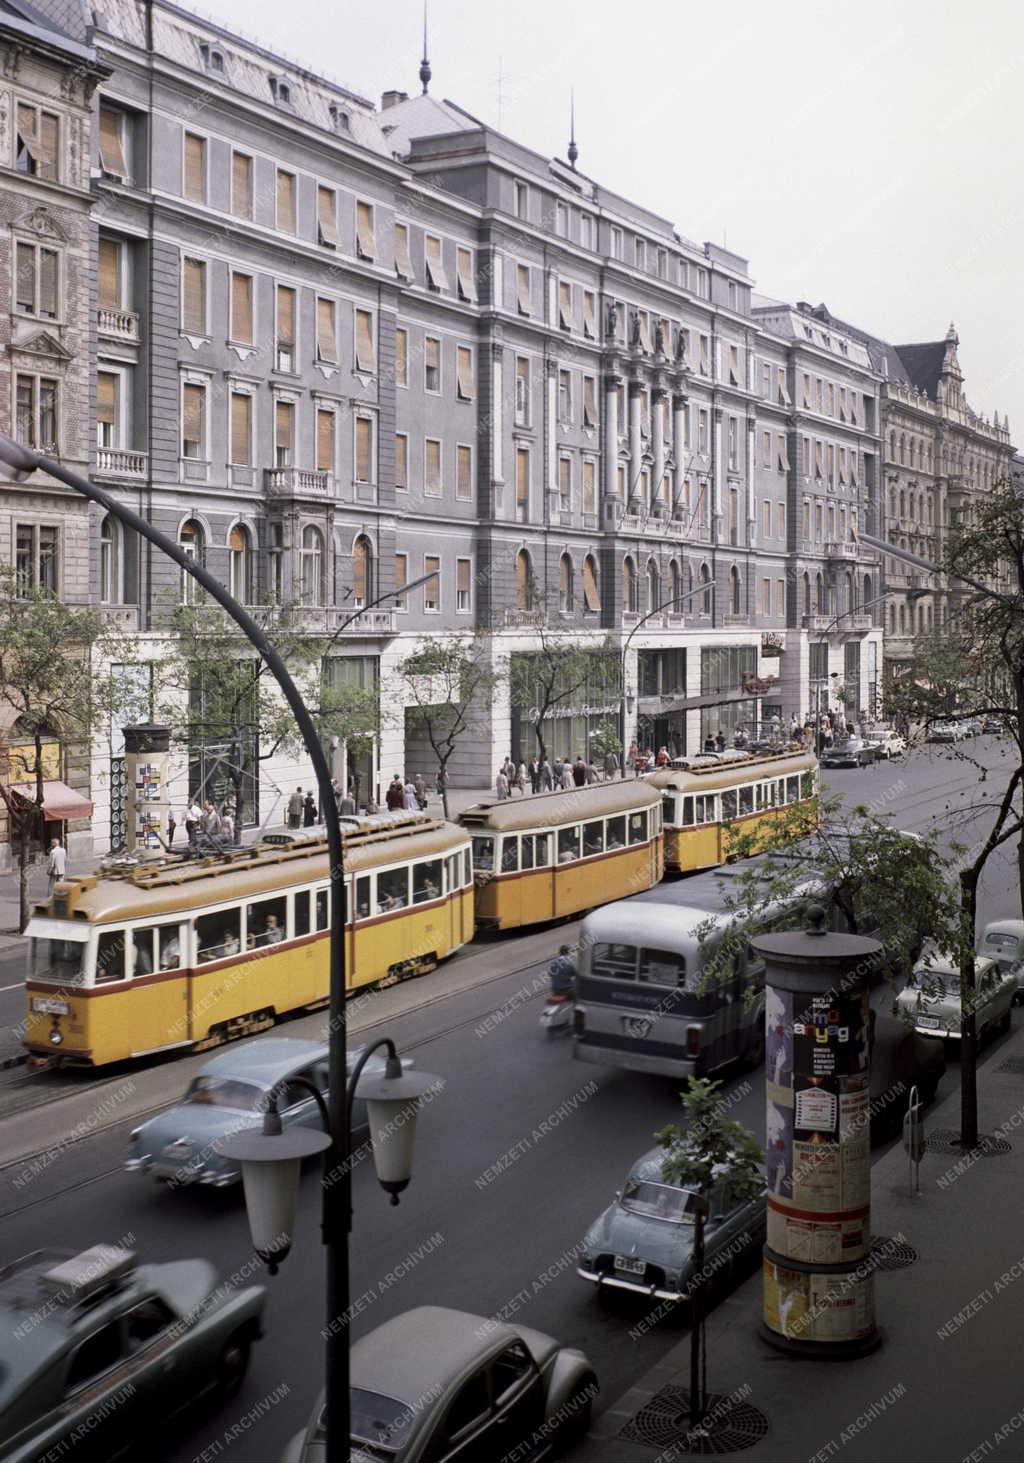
(464, 1434)
(517, 1397)
(100, 1378)
(160, 1374)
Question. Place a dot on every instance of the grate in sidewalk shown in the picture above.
(727, 1426)
(891, 1254)
(947, 1140)
(1012, 1064)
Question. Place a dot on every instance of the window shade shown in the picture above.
(523, 288)
(194, 314)
(26, 283)
(324, 441)
(436, 276)
(195, 167)
(565, 305)
(46, 146)
(403, 263)
(241, 308)
(326, 331)
(463, 472)
(462, 575)
(366, 244)
(464, 358)
(241, 432)
(285, 315)
(241, 185)
(283, 421)
(111, 146)
(589, 486)
(326, 217)
(366, 356)
(364, 442)
(589, 314)
(285, 201)
(464, 270)
(192, 413)
(109, 288)
(106, 397)
(589, 401)
(783, 455)
(522, 477)
(432, 466)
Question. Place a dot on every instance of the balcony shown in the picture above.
(818, 624)
(842, 553)
(320, 619)
(121, 617)
(855, 624)
(118, 324)
(297, 482)
(119, 462)
(523, 619)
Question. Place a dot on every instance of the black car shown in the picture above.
(900, 1061)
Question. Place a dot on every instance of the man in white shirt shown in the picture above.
(57, 866)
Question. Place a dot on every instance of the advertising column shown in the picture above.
(146, 794)
(818, 1279)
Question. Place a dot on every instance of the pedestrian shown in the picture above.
(533, 772)
(720, 742)
(611, 765)
(501, 785)
(227, 824)
(193, 818)
(308, 811)
(347, 806)
(171, 827)
(557, 770)
(639, 761)
(521, 778)
(421, 790)
(579, 771)
(210, 820)
(662, 757)
(633, 752)
(709, 743)
(395, 795)
(591, 773)
(57, 865)
(410, 802)
(295, 805)
(546, 776)
(336, 792)
(568, 780)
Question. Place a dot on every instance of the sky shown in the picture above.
(864, 153)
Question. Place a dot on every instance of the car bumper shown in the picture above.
(603, 1280)
(180, 1175)
(606, 1056)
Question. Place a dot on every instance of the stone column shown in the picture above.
(551, 441)
(612, 502)
(680, 406)
(751, 459)
(636, 446)
(818, 1280)
(718, 471)
(658, 502)
(497, 420)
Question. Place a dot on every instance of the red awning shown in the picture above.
(60, 802)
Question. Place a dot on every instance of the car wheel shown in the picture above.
(755, 1053)
(577, 1414)
(233, 1364)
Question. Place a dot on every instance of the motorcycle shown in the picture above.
(558, 1009)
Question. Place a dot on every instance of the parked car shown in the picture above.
(992, 726)
(900, 1061)
(971, 727)
(643, 1241)
(435, 1384)
(930, 1002)
(1003, 942)
(945, 731)
(96, 1350)
(852, 752)
(181, 1145)
(887, 743)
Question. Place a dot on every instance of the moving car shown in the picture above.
(181, 1145)
(901, 1059)
(643, 1242)
(992, 726)
(96, 1351)
(1003, 942)
(946, 731)
(886, 742)
(971, 727)
(930, 1002)
(435, 1384)
(852, 752)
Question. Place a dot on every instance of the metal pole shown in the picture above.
(679, 599)
(337, 1197)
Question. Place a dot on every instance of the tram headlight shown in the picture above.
(56, 1037)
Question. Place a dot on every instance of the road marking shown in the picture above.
(17, 986)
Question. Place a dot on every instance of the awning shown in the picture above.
(60, 802)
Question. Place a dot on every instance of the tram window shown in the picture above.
(170, 946)
(568, 844)
(616, 834)
(110, 950)
(687, 812)
(807, 784)
(669, 809)
(392, 890)
(363, 897)
(638, 827)
(526, 851)
(452, 872)
(746, 800)
(467, 861)
(218, 934)
(704, 808)
(142, 951)
(510, 854)
(662, 967)
(593, 838)
(655, 816)
(541, 850)
(759, 798)
(483, 855)
(792, 789)
(729, 804)
(300, 913)
(426, 881)
(323, 908)
(617, 962)
(59, 961)
(266, 922)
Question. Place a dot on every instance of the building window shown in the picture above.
(366, 242)
(110, 561)
(193, 420)
(110, 282)
(618, 244)
(284, 433)
(523, 289)
(364, 449)
(311, 567)
(587, 230)
(525, 583)
(565, 397)
(561, 221)
(436, 277)
(780, 520)
(589, 401)
(565, 484)
(565, 304)
(195, 168)
(702, 430)
(326, 427)
(431, 364)
(326, 331)
(766, 519)
(640, 255)
(241, 185)
(362, 571)
(327, 217)
(366, 350)
(735, 602)
(36, 402)
(765, 607)
(733, 444)
(109, 410)
(36, 557)
(38, 142)
(401, 357)
(629, 595)
(432, 467)
(276, 556)
(403, 261)
(112, 143)
(591, 597)
(240, 560)
(781, 455)
(522, 485)
(589, 314)
(653, 586)
(780, 598)
(285, 333)
(463, 583)
(193, 291)
(285, 200)
(522, 201)
(464, 473)
(192, 542)
(522, 405)
(464, 373)
(241, 328)
(565, 584)
(401, 579)
(465, 274)
(241, 429)
(432, 588)
(589, 487)
(37, 275)
(401, 460)
(734, 363)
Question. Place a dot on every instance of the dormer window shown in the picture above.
(339, 118)
(213, 59)
(281, 91)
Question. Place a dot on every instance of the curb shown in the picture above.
(17, 1060)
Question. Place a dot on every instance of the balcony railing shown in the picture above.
(846, 552)
(818, 623)
(121, 462)
(118, 324)
(855, 624)
(523, 619)
(298, 482)
(331, 620)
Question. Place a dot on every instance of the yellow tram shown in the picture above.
(188, 953)
(746, 792)
(542, 857)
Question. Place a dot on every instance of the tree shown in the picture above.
(447, 681)
(695, 1157)
(46, 682)
(558, 674)
(605, 741)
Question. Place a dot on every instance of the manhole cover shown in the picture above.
(1012, 1064)
(728, 1425)
(947, 1140)
(891, 1254)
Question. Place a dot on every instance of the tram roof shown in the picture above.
(563, 806)
(738, 769)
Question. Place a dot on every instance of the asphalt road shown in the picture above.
(513, 1162)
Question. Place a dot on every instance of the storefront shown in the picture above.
(724, 669)
(577, 708)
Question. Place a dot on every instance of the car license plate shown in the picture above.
(47, 1006)
(630, 1264)
(177, 1150)
(929, 1021)
(637, 1026)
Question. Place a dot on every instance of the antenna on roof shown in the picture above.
(425, 63)
(574, 151)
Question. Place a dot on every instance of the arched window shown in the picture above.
(110, 561)
(903, 504)
(675, 584)
(847, 603)
(240, 564)
(807, 594)
(892, 619)
(903, 619)
(653, 586)
(524, 581)
(628, 586)
(819, 594)
(734, 590)
(892, 446)
(565, 584)
(591, 587)
(920, 619)
(903, 448)
(705, 600)
(362, 571)
(867, 589)
(311, 568)
(192, 540)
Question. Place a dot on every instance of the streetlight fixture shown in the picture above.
(17, 463)
(708, 587)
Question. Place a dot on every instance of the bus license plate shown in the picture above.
(47, 1006)
(637, 1026)
(630, 1265)
(929, 1021)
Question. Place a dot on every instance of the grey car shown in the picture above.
(643, 1242)
(1003, 942)
(437, 1384)
(930, 1002)
(181, 1145)
(97, 1350)
(851, 752)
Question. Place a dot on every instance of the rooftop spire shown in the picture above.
(574, 151)
(425, 63)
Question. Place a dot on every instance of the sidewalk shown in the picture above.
(945, 1384)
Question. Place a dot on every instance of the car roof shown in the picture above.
(422, 1352)
(1005, 927)
(943, 963)
(265, 1060)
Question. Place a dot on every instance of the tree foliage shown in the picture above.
(448, 682)
(558, 673)
(696, 1151)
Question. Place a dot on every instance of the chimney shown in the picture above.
(392, 98)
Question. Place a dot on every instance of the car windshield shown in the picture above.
(224, 1092)
(998, 941)
(657, 1201)
(929, 978)
(59, 962)
(384, 1423)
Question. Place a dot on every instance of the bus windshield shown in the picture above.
(58, 962)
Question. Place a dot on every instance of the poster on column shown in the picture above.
(779, 1092)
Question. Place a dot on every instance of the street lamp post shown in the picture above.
(679, 599)
(823, 640)
(18, 463)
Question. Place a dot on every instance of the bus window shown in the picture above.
(363, 897)
(541, 850)
(638, 827)
(616, 962)
(792, 789)
(218, 934)
(526, 851)
(468, 867)
(509, 854)
(265, 922)
(170, 947)
(729, 804)
(110, 952)
(616, 834)
(568, 844)
(300, 913)
(323, 908)
(746, 800)
(142, 951)
(662, 967)
(426, 881)
(483, 855)
(392, 890)
(593, 838)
